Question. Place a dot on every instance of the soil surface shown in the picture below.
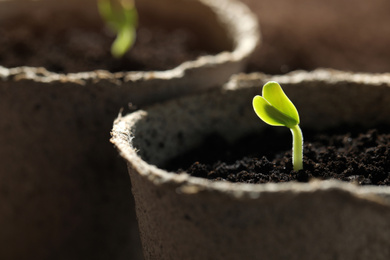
(65, 43)
(352, 156)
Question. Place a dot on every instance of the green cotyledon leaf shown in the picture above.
(122, 17)
(274, 107)
(123, 42)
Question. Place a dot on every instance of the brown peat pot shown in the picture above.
(184, 217)
(64, 196)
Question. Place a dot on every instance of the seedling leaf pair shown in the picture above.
(276, 109)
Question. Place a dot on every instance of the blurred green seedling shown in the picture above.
(276, 109)
(121, 16)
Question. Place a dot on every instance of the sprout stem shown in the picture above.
(297, 147)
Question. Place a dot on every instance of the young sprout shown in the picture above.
(121, 16)
(276, 109)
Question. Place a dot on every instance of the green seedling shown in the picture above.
(276, 109)
(121, 16)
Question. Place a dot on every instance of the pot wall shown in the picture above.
(64, 196)
(219, 220)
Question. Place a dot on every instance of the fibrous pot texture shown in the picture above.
(63, 193)
(184, 217)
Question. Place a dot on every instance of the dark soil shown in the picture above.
(65, 43)
(362, 158)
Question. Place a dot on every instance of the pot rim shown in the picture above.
(184, 183)
(187, 184)
(245, 38)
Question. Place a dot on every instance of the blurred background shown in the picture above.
(307, 34)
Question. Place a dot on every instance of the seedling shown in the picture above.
(121, 16)
(276, 109)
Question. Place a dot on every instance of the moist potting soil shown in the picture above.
(352, 155)
(66, 43)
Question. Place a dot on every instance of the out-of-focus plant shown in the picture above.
(122, 17)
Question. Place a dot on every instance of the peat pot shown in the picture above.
(63, 195)
(184, 217)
